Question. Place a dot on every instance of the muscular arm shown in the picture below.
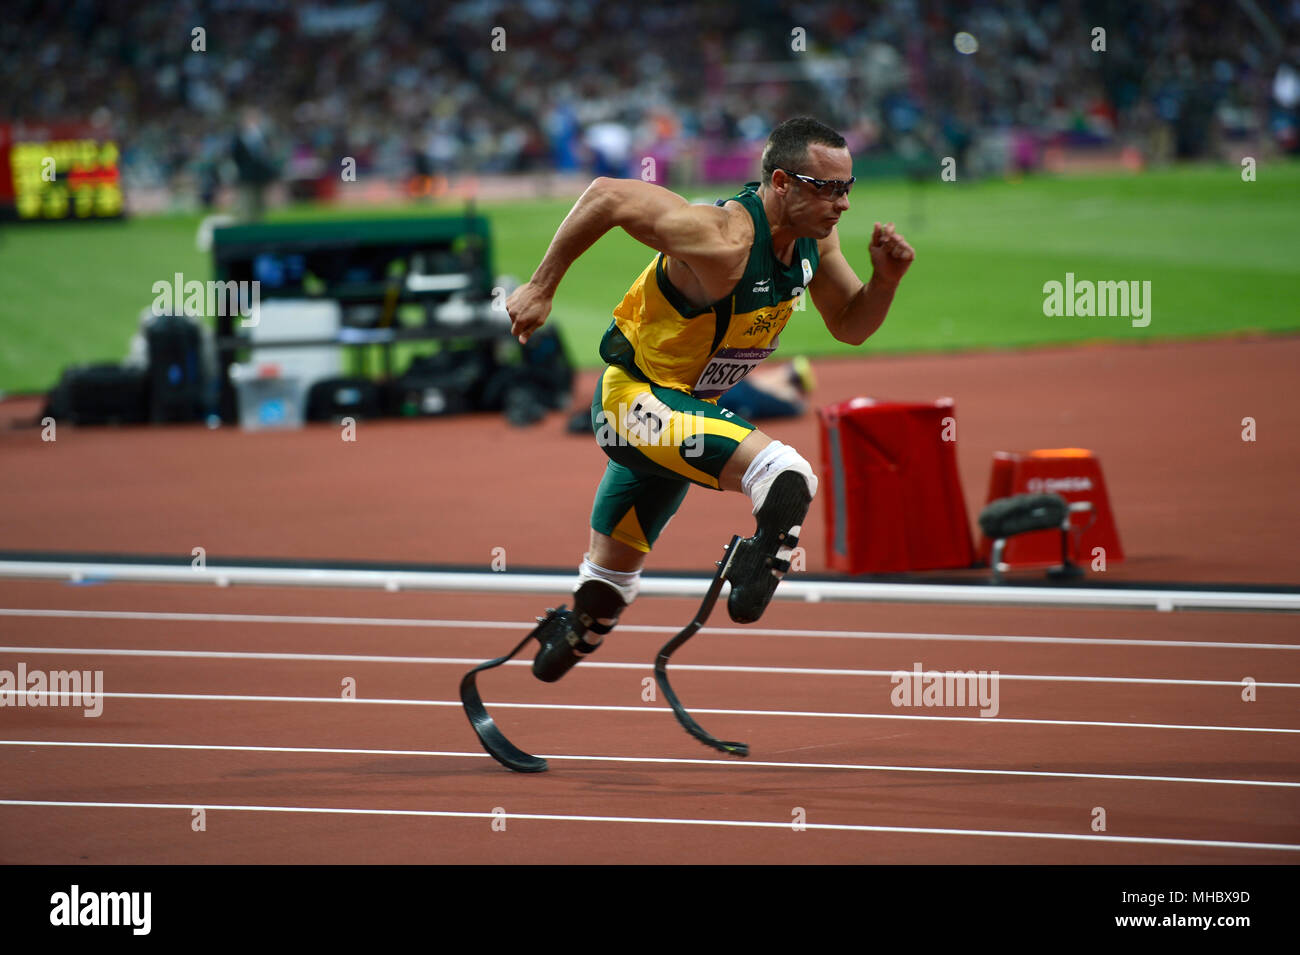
(852, 310)
(705, 238)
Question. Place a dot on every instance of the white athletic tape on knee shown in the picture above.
(765, 467)
(626, 582)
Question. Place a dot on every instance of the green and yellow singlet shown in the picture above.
(658, 337)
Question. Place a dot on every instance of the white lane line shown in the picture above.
(235, 698)
(670, 760)
(610, 665)
(794, 588)
(628, 628)
(659, 821)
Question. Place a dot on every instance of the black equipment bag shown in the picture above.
(334, 398)
(100, 394)
(540, 381)
(548, 365)
(175, 371)
(416, 395)
(451, 381)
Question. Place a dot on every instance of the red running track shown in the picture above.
(406, 782)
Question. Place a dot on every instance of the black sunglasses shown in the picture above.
(826, 188)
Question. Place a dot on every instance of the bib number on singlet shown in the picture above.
(726, 368)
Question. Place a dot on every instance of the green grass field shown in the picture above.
(1222, 256)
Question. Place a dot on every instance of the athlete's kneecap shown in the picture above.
(603, 594)
(758, 563)
(775, 459)
(626, 582)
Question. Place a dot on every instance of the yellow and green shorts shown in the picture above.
(660, 441)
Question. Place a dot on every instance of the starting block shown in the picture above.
(1084, 534)
(1025, 513)
(890, 488)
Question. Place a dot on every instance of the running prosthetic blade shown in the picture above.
(661, 661)
(485, 728)
(755, 567)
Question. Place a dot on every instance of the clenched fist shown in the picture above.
(890, 254)
(528, 306)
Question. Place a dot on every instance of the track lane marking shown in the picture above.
(611, 665)
(629, 628)
(671, 760)
(662, 821)
(604, 708)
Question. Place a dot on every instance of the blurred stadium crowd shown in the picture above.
(284, 90)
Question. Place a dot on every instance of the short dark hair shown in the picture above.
(787, 147)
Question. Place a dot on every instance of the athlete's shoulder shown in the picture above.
(742, 208)
(734, 227)
(738, 228)
(712, 233)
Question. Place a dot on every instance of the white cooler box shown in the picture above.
(272, 388)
